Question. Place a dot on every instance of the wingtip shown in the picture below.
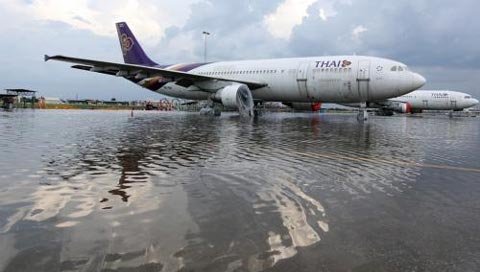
(46, 58)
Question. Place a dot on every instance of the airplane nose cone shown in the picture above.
(475, 102)
(418, 81)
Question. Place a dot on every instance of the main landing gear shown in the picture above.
(450, 114)
(362, 115)
(258, 108)
(211, 109)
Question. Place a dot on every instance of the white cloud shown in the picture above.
(99, 16)
(357, 31)
(322, 14)
(289, 14)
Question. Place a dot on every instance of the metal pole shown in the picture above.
(205, 34)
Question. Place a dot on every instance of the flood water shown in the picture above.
(104, 191)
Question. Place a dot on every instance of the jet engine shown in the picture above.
(401, 107)
(236, 96)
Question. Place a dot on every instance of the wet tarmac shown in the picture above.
(103, 191)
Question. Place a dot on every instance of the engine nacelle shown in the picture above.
(400, 107)
(236, 96)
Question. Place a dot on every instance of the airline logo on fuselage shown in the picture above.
(127, 43)
(333, 64)
(440, 95)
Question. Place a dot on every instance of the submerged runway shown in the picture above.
(103, 191)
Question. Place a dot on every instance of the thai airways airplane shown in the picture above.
(242, 84)
(420, 100)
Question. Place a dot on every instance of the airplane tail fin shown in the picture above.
(131, 49)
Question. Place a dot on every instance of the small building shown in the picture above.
(82, 101)
(8, 100)
(53, 100)
(21, 97)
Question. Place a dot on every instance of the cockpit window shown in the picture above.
(394, 69)
(406, 68)
(468, 97)
(400, 68)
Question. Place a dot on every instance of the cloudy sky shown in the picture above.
(440, 39)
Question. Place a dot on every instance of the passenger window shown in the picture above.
(394, 69)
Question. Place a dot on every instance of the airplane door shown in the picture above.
(425, 104)
(453, 104)
(302, 78)
(363, 79)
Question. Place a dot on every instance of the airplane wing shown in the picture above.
(184, 79)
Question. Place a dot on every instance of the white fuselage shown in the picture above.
(339, 79)
(437, 100)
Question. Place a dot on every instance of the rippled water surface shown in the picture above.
(103, 191)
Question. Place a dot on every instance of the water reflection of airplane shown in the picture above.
(153, 152)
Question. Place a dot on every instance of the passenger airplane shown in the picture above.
(420, 100)
(241, 84)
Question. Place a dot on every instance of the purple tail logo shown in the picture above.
(127, 43)
(131, 49)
